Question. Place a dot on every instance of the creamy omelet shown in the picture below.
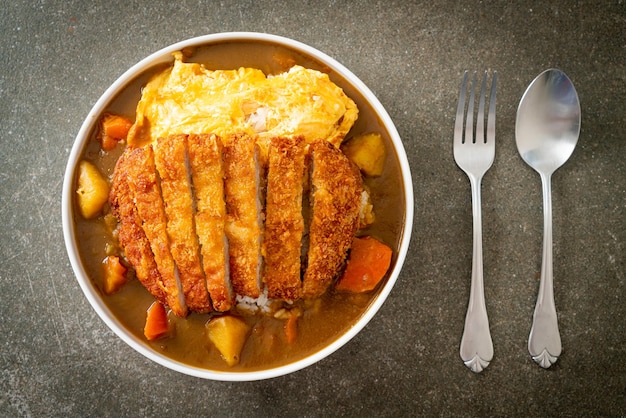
(188, 98)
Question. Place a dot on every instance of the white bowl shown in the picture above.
(164, 56)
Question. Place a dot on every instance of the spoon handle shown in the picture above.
(476, 345)
(544, 342)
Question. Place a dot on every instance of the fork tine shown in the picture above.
(491, 121)
(480, 117)
(469, 122)
(458, 125)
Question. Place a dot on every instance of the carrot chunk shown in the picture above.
(156, 322)
(113, 129)
(114, 274)
(369, 261)
(291, 328)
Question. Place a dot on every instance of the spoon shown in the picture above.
(546, 132)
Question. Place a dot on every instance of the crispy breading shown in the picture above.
(242, 185)
(170, 158)
(336, 187)
(130, 234)
(203, 214)
(144, 183)
(207, 173)
(284, 224)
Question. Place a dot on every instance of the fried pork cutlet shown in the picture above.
(207, 173)
(195, 225)
(171, 163)
(130, 234)
(242, 185)
(336, 188)
(284, 224)
(144, 183)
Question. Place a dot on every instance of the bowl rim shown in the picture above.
(164, 55)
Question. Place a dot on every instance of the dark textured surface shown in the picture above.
(57, 358)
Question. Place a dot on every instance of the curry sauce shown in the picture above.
(323, 319)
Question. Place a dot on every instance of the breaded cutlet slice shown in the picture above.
(207, 174)
(144, 183)
(242, 185)
(131, 237)
(170, 157)
(335, 196)
(284, 223)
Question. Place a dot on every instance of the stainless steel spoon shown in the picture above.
(546, 132)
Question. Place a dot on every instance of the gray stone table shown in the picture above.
(57, 358)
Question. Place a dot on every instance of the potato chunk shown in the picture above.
(228, 333)
(368, 152)
(92, 190)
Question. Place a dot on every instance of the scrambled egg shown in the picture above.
(188, 98)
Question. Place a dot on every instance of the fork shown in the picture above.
(475, 155)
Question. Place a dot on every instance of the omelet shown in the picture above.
(187, 98)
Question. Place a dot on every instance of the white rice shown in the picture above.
(253, 305)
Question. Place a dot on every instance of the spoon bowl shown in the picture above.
(546, 133)
(548, 121)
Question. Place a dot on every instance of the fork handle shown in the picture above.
(476, 345)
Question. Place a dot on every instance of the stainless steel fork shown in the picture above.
(474, 154)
